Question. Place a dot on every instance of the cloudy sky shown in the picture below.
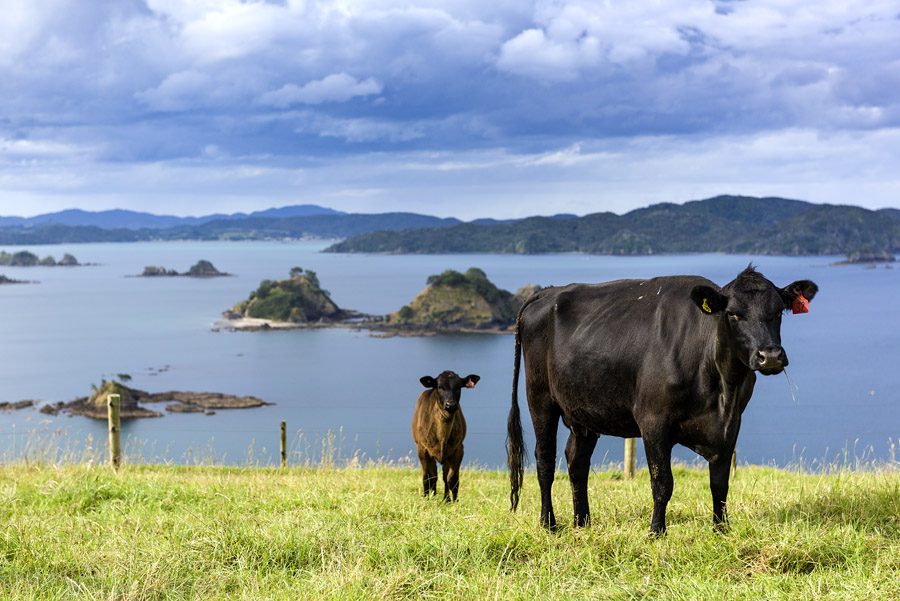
(469, 108)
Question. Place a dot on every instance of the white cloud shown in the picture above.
(578, 36)
(338, 87)
(637, 100)
(38, 149)
(362, 130)
(178, 92)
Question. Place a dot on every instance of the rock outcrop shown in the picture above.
(95, 406)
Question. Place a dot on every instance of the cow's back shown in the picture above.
(592, 348)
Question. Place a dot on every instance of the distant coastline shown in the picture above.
(722, 224)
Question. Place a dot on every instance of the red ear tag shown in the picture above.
(801, 305)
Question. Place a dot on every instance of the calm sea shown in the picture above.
(79, 325)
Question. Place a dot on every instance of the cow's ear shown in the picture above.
(428, 382)
(709, 299)
(472, 380)
(793, 294)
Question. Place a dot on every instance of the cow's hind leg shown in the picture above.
(579, 449)
(659, 460)
(429, 472)
(719, 473)
(546, 422)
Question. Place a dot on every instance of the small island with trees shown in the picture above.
(200, 269)
(7, 280)
(454, 301)
(24, 258)
(451, 302)
(295, 302)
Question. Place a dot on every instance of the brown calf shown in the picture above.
(438, 429)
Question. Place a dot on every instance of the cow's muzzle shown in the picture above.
(769, 361)
(451, 407)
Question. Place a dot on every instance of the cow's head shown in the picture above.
(448, 386)
(749, 309)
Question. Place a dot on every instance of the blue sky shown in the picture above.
(469, 108)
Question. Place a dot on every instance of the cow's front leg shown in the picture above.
(659, 460)
(719, 473)
(579, 449)
(429, 472)
(451, 476)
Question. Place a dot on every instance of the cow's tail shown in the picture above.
(515, 444)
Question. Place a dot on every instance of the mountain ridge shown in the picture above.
(727, 224)
(135, 220)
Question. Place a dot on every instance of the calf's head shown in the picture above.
(448, 386)
(749, 309)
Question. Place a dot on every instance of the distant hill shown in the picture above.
(825, 230)
(135, 220)
(55, 233)
(313, 226)
(327, 226)
(730, 224)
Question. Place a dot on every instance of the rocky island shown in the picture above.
(451, 302)
(7, 280)
(95, 405)
(201, 269)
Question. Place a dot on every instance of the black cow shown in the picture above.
(670, 359)
(438, 429)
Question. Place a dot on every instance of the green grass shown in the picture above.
(201, 532)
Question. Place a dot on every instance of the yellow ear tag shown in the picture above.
(706, 306)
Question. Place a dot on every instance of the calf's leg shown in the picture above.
(579, 449)
(451, 476)
(429, 472)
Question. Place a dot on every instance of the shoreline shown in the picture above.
(376, 329)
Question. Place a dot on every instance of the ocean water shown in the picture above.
(79, 325)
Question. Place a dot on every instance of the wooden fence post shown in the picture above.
(113, 404)
(283, 444)
(630, 458)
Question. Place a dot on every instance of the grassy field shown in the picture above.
(168, 532)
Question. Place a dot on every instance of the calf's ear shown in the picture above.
(792, 292)
(709, 299)
(428, 382)
(471, 380)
